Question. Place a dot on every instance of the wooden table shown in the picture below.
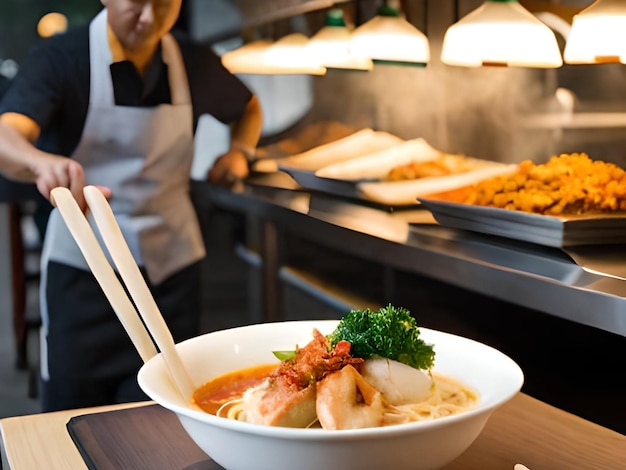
(524, 430)
(42, 441)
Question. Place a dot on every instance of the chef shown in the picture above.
(121, 98)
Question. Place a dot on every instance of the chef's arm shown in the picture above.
(245, 134)
(21, 161)
(17, 134)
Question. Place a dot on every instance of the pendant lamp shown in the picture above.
(501, 33)
(598, 34)
(287, 56)
(247, 59)
(330, 46)
(290, 54)
(389, 38)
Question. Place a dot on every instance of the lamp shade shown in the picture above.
(247, 58)
(330, 46)
(598, 34)
(390, 38)
(286, 56)
(501, 32)
(290, 53)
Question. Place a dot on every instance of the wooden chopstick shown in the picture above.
(138, 289)
(103, 272)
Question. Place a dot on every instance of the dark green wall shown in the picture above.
(18, 21)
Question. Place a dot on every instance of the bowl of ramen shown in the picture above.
(308, 395)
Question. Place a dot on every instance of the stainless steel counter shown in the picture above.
(532, 276)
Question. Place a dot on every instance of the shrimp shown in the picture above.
(279, 406)
(288, 396)
(345, 400)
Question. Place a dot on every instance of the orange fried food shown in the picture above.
(415, 170)
(568, 184)
(443, 165)
(313, 362)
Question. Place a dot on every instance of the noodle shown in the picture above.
(448, 397)
(232, 409)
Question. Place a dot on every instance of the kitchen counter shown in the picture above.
(540, 278)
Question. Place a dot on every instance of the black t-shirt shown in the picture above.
(52, 87)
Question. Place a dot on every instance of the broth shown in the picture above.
(214, 393)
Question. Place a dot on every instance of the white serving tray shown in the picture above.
(402, 193)
(338, 169)
(362, 142)
(376, 164)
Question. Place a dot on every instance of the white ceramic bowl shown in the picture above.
(242, 446)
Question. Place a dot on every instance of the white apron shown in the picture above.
(144, 155)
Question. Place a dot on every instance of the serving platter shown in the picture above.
(375, 164)
(357, 144)
(407, 192)
(554, 231)
(343, 170)
(309, 180)
(392, 193)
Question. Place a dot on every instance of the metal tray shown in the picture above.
(597, 229)
(309, 180)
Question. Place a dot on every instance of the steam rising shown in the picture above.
(475, 112)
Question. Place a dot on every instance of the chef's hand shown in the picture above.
(20, 160)
(52, 171)
(229, 168)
